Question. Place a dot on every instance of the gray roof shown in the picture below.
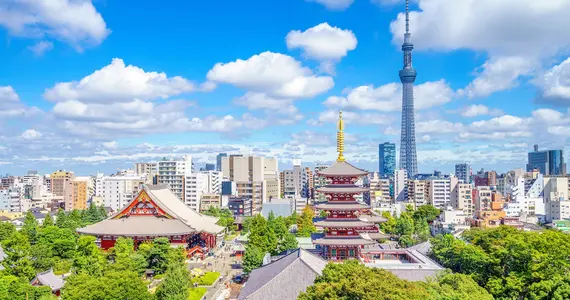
(372, 218)
(138, 226)
(283, 279)
(342, 206)
(48, 278)
(343, 223)
(342, 168)
(344, 241)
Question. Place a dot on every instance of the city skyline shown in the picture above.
(102, 95)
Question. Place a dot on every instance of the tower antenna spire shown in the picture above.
(407, 16)
(340, 138)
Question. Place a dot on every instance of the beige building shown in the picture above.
(556, 193)
(210, 200)
(462, 198)
(148, 168)
(61, 185)
(256, 177)
(380, 192)
(82, 191)
(483, 198)
(417, 192)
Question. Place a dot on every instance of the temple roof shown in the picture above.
(342, 206)
(182, 219)
(49, 279)
(372, 218)
(343, 223)
(342, 168)
(138, 226)
(347, 241)
(342, 188)
(284, 278)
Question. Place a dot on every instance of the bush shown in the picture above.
(197, 293)
(207, 279)
(62, 266)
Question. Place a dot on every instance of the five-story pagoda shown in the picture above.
(344, 232)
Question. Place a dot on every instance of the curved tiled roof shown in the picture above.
(342, 206)
(342, 188)
(344, 241)
(342, 168)
(343, 223)
(138, 226)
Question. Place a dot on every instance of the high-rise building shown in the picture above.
(417, 192)
(173, 172)
(379, 192)
(219, 161)
(194, 188)
(400, 185)
(210, 167)
(386, 159)
(295, 181)
(117, 191)
(439, 191)
(408, 158)
(82, 191)
(463, 172)
(462, 198)
(310, 183)
(256, 177)
(148, 168)
(61, 185)
(320, 181)
(548, 162)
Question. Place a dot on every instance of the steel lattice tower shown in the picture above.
(408, 158)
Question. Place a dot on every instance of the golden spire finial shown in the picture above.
(340, 138)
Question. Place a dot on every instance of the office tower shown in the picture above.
(463, 172)
(386, 159)
(295, 181)
(219, 161)
(548, 162)
(408, 159)
(400, 185)
(210, 167)
(172, 173)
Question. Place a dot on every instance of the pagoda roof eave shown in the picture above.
(342, 206)
(342, 189)
(344, 224)
(342, 169)
(343, 242)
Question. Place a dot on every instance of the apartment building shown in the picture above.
(379, 192)
(319, 181)
(482, 197)
(195, 185)
(83, 190)
(148, 168)
(462, 198)
(61, 185)
(210, 200)
(400, 185)
(439, 191)
(118, 191)
(173, 172)
(417, 192)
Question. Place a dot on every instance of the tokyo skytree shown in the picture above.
(408, 158)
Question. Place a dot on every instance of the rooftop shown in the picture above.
(342, 168)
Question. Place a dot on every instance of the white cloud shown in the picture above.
(31, 134)
(499, 74)
(334, 4)
(75, 22)
(475, 110)
(260, 100)
(7, 94)
(331, 116)
(555, 84)
(275, 74)
(41, 47)
(388, 97)
(438, 126)
(110, 145)
(323, 43)
(119, 82)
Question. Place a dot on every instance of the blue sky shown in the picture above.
(95, 86)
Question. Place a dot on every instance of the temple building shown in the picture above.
(347, 229)
(157, 212)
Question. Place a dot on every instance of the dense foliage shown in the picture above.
(226, 218)
(352, 280)
(266, 236)
(305, 224)
(509, 263)
(411, 227)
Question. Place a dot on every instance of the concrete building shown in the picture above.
(482, 198)
(210, 200)
(256, 178)
(148, 168)
(83, 190)
(417, 192)
(555, 197)
(320, 181)
(240, 207)
(194, 187)
(61, 185)
(10, 200)
(463, 172)
(219, 161)
(295, 182)
(548, 162)
(310, 183)
(400, 185)
(462, 198)
(386, 159)
(173, 172)
(213, 182)
(118, 191)
(379, 192)
(439, 191)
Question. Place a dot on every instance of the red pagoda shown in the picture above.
(157, 212)
(346, 229)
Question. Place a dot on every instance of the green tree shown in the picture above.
(426, 212)
(12, 287)
(91, 215)
(88, 258)
(18, 260)
(390, 225)
(6, 230)
(30, 227)
(289, 242)
(161, 255)
(42, 257)
(456, 286)
(421, 229)
(60, 218)
(112, 285)
(253, 258)
(305, 226)
(48, 221)
(176, 284)
(404, 224)
(62, 241)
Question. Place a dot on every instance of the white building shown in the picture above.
(526, 199)
(213, 182)
(11, 200)
(439, 191)
(117, 191)
(556, 198)
(380, 192)
(400, 185)
(195, 186)
(173, 172)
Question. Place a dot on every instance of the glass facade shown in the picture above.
(549, 162)
(386, 159)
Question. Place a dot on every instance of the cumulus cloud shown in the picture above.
(31, 134)
(274, 74)
(11, 107)
(388, 97)
(363, 118)
(476, 110)
(7, 94)
(323, 43)
(41, 47)
(334, 4)
(555, 84)
(74, 22)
